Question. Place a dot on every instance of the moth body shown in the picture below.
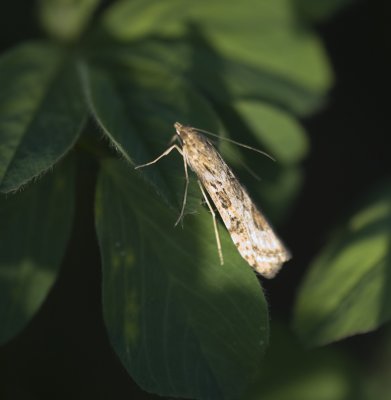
(251, 233)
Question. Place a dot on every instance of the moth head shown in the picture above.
(182, 131)
(178, 126)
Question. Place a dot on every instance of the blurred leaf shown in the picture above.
(41, 112)
(292, 373)
(278, 191)
(35, 226)
(260, 44)
(66, 19)
(129, 20)
(319, 10)
(281, 134)
(246, 81)
(222, 78)
(183, 325)
(348, 288)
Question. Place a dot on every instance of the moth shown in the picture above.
(250, 231)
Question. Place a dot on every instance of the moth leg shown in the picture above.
(185, 193)
(168, 151)
(214, 224)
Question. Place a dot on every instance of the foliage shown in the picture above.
(181, 324)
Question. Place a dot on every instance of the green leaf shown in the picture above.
(259, 45)
(112, 114)
(41, 112)
(134, 19)
(347, 290)
(267, 36)
(266, 85)
(182, 325)
(66, 19)
(281, 135)
(35, 226)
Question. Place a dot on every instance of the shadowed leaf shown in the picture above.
(35, 226)
(182, 324)
(41, 112)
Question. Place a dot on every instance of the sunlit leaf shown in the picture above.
(256, 44)
(182, 325)
(280, 133)
(34, 229)
(347, 289)
(224, 79)
(65, 19)
(145, 17)
(41, 112)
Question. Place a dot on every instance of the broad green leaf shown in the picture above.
(65, 19)
(35, 226)
(265, 36)
(281, 135)
(41, 112)
(347, 289)
(293, 373)
(182, 325)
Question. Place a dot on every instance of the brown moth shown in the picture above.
(249, 229)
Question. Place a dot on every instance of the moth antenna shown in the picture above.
(237, 143)
(251, 172)
(245, 166)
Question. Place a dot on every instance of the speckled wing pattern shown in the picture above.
(251, 233)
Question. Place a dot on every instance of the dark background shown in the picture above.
(64, 352)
